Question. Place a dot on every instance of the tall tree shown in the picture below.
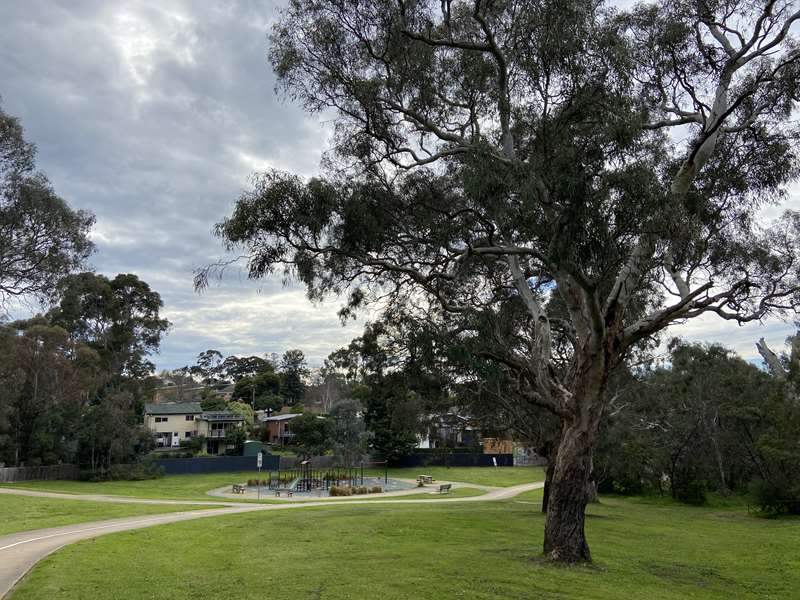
(41, 237)
(594, 186)
(117, 317)
(208, 366)
(293, 371)
(47, 383)
(236, 368)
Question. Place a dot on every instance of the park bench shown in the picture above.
(423, 479)
(445, 488)
(239, 489)
(286, 491)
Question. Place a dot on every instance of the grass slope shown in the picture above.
(22, 513)
(194, 487)
(439, 551)
(496, 477)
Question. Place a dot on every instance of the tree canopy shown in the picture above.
(561, 179)
(41, 237)
(118, 317)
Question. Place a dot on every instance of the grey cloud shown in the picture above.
(152, 115)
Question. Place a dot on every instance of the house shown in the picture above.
(449, 429)
(174, 422)
(278, 428)
(215, 426)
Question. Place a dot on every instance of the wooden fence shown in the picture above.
(17, 474)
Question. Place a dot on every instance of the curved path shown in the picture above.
(20, 551)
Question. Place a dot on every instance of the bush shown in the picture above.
(376, 489)
(775, 498)
(139, 471)
(361, 490)
(690, 490)
(340, 491)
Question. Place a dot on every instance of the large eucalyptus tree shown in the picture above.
(576, 176)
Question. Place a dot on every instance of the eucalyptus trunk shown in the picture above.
(569, 488)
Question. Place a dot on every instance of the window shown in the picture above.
(188, 434)
(190, 417)
(162, 419)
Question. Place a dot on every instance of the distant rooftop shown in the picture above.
(173, 408)
(221, 415)
(285, 417)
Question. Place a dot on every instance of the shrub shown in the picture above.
(341, 491)
(376, 489)
(361, 490)
(139, 471)
(691, 490)
(775, 498)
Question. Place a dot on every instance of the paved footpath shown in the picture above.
(19, 552)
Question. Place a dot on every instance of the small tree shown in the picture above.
(311, 433)
(348, 435)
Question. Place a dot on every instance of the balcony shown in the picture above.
(217, 434)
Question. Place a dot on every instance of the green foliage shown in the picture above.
(261, 388)
(236, 436)
(141, 470)
(209, 366)
(311, 433)
(118, 317)
(704, 422)
(293, 373)
(240, 408)
(392, 416)
(194, 444)
(46, 382)
(236, 368)
(210, 400)
(776, 497)
(41, 237)
(347, 433)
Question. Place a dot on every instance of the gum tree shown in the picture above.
(557, 180)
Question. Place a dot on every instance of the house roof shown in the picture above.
(285, 417)
(221, 415)
(173, 408)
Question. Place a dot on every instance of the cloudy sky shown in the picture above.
(152, 114)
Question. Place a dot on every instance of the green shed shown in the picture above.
(252, 448)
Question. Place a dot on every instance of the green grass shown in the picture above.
(23, 513)
(173, 487)
(462, 492)
(194, 487)
(497, 477)
(473, 551)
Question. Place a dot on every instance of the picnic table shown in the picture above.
(445, 488)
(423, 479)
(239, 489)
(287, 491)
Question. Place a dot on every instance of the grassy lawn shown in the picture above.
(173, 487)
(498, 477)
(454, 493)
(21, 513)
(194, 487)
(476, 551)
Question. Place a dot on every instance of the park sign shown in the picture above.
(259, 460)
